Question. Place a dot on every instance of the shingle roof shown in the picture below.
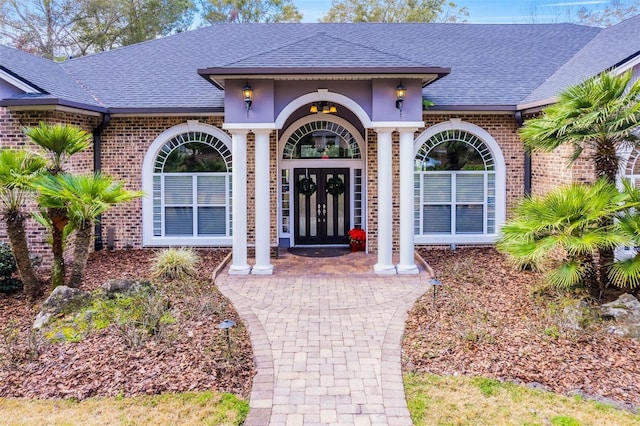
(46, 76)
(610, 47)
(490, 64)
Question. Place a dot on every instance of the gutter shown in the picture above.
(97, 167)
(527, 158)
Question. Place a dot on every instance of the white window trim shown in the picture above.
(148, 239)
(500, 183)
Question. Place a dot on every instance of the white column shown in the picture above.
(407, 264)
(385, 204)
(239, 263)
(263, 207)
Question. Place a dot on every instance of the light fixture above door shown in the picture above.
(323, 107)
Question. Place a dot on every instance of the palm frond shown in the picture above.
(625, 273)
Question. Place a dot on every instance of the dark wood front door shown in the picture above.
(321, 205)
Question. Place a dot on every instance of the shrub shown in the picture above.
(7, 269)
(175, 263)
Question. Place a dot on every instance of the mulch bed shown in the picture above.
(488, 321)
(193, 356)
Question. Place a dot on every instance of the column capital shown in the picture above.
(248, 127)
(396, 125)
(262, 131)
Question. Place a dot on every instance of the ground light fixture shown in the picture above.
(434, 283)
(226, 325)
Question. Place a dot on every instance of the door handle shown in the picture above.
(324, 213)
(321, 210)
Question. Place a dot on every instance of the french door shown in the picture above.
(321, 206)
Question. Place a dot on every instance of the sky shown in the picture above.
(484, 11)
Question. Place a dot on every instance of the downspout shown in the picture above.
(527, 158)
(97, 167)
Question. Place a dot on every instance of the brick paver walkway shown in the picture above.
(326, 335)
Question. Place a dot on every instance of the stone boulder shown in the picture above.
(61, 297)
(625, 315)
(113, 287)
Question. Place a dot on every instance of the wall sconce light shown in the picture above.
(401, 92)
(247, 93)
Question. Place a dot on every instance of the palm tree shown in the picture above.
(561, 232)
(60, 141)
(85, 197)
(18, 168)
(596, 118)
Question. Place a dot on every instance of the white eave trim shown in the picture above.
(397, 124)
(538, 104)
(19, 84)
(61, 108)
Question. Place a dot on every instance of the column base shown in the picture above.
(262, 270)
(407, 269)
(384, 269)
(239, 270)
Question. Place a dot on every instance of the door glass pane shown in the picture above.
(437, 219)
(330, 211)
(469, 219)
(302, 215)
(341, 210)
(211, 221)
(178, 221)
(313, 210)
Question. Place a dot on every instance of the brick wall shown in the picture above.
(552, 169)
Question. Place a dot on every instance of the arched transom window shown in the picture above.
(632, 168)
(455, 185)
(321, 139)
(192, 187)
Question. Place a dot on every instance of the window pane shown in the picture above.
(212, 189)
(453, 155)
(437, 188)
(437, 219)
(469, 219)
(194, 157)
(469, 188)
(178, 189)
(178, 221)
(212, 221)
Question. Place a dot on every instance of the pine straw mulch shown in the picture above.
(192, 355)
(489, 321)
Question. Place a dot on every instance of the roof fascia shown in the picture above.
(218, 75)
(51, 103)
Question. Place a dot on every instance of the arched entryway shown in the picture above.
(321, 189)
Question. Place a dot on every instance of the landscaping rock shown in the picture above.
(625, 311)
(112, 287)
(61, 297)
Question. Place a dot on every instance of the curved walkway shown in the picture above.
(326, 336)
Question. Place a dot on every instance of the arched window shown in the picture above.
(191, 189)
(321, 139)
(632, 167)
(456, 187)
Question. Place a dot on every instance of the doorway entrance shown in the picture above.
(321, 205)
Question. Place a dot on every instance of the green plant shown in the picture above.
(562, 232)
(138, 315)
(175, 263)
(7, 268)
(488, 387)
(564, 421)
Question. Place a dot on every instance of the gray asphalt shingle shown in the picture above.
(490, 64)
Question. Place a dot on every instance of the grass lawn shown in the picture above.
(449, 400)
(190, 408)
